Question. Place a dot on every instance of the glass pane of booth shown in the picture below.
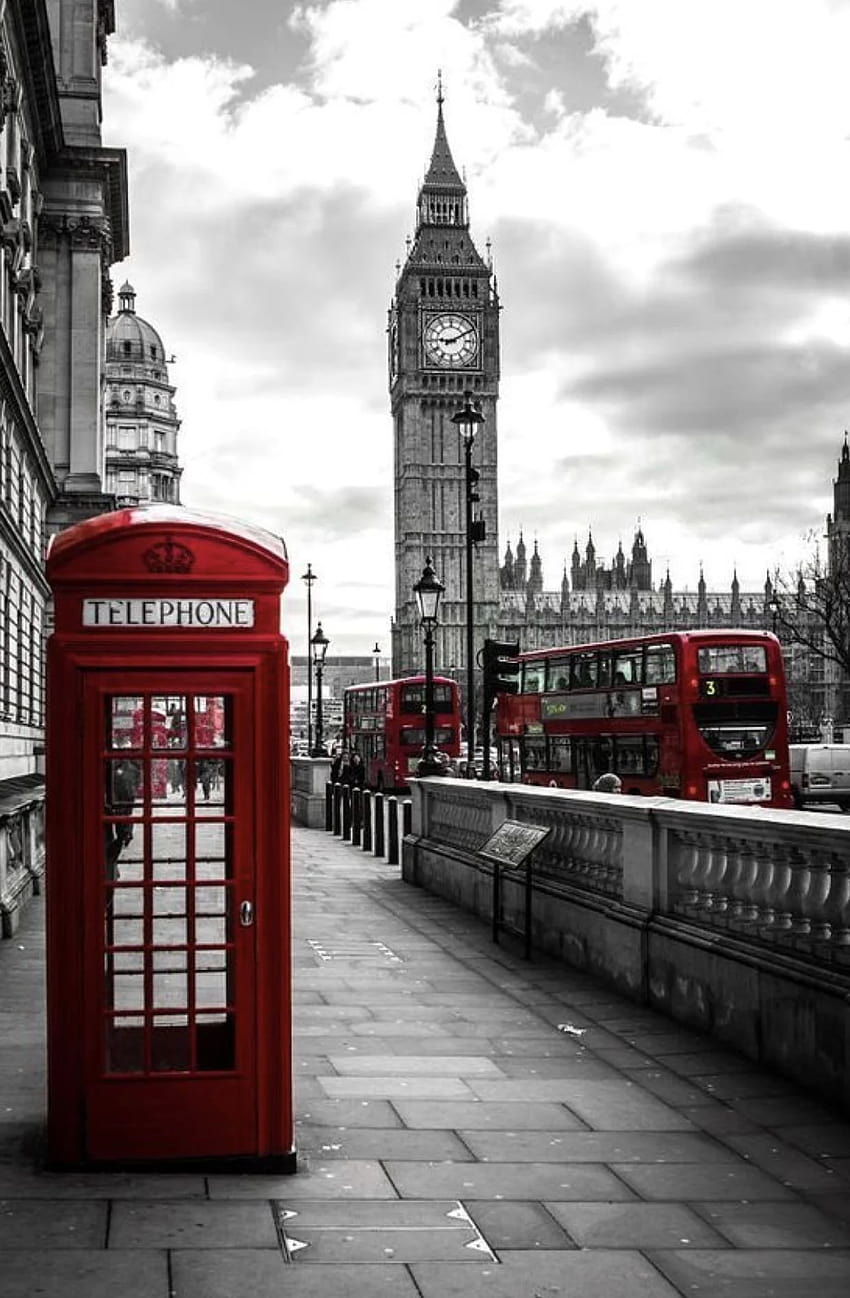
(168, 882)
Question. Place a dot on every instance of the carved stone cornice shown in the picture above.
(108, 166)
(83, 233)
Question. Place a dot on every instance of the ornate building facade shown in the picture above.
(139, 414)
(63, 222)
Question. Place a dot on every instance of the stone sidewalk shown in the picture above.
(468, 1124)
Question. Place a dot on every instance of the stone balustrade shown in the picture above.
(21, 846)
(735, 920)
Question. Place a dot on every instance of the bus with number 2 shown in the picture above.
(701, 715)
(384, 722)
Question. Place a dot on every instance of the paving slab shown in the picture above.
(413, 1088)
(693, 1181)
(534, 1181)
(84, 1273)
(382, 1143)
(598, 1147)
(516, 1224)
(256, 1274)
(51, 1223)
(775, 1225)
(635, 1225)
(475, 1115)
(756, 1273)
(315, 1179)
(579, 1273)
(23, 1180)
(610, 1105)
(154, 1225)
(415, 1065)
(789, 1165)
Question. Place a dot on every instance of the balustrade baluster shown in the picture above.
(687, 853)
(814, 902)
(783, 877)
(837, 905)
(763, 889)
(798, 892)
(702, 873)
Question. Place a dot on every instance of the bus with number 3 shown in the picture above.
(700, 715)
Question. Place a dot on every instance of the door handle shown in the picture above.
(246, 914)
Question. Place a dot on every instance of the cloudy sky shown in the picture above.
(665, 184)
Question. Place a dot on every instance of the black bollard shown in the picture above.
(346, 811)
(329, 807)
(379, 825)
(406, 817)
(356, 816)
(367, 820)
(392, 832)
(337, 809)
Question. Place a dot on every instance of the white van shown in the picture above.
(820, 773)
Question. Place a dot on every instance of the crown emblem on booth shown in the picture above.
(169, 556)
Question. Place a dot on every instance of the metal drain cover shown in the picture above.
(405, 1230)
(353, 950)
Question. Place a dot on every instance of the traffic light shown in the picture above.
(500, 664)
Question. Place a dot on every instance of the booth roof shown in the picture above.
(93, 530)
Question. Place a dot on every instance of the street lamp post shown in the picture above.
(319, 645)
(309, 577)
(429, 590)
(468, 420)
(377, 652)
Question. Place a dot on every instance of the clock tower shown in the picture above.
(443, 342)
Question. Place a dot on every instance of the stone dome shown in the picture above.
(129, 337)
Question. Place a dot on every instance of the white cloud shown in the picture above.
(656, 331)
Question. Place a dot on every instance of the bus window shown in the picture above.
(583, 671)
(560, 757)
(651, 759)
(629, 755)
(558, 674)
(627, 669)
(660, 665)
(718, 659)
(533, 678)
(534, 753)
(412, 700)
(601, 757)
(604, 671)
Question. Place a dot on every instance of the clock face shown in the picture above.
(450, 341)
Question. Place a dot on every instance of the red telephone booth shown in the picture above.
(168, 915)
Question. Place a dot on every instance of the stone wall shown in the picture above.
(734, 920)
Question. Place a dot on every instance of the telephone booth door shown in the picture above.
(169, 905)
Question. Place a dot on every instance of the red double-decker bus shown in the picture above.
(385, 723)
(692, 714)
